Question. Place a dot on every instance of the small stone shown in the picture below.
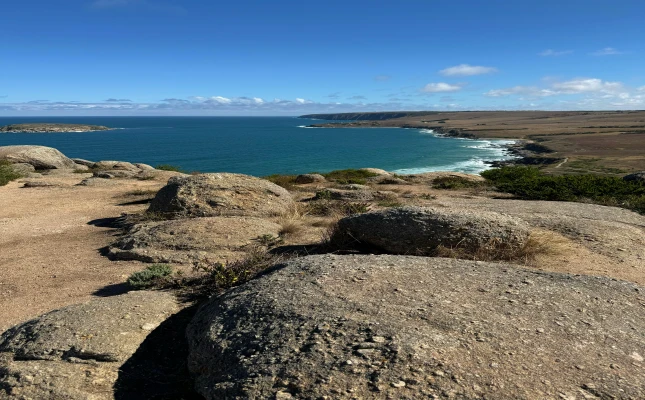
(148, 327)
(398, 384)
(540, 330)
(378, 339)
(283, 396)
(637, 357)
(439, 373)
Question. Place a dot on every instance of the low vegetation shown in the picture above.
(7, 173)
(168, 167)
(286, 181)
(335, 208)
(347, 176)
(153, 275)
(456, 182)
(531, 184)
(217, 277)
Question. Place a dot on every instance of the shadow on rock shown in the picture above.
(158, 368)
(112, 290)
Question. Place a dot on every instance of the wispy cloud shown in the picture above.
(334, 95)
(573, 86)
(441, 87)
(607, 51)
(357, 98)
(111, 100)
(554, 53)
(382, 78)
(467, 70)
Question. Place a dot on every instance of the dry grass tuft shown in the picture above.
(539, 243)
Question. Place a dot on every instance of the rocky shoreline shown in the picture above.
(51, 128)
(524, 152)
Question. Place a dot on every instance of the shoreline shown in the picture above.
(520, 149)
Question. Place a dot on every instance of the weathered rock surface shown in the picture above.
(635, 177)
(375, 171)
(347, 195)
(40, 184)
(23, 168)
(95, 181)
(309, 178)
(419, 231)
(76, 352)
(403, 327)
(212, 239)
(51, 127)
(40, 157)
(81, 161)
(221, 194)
(429, 177)
(614, 232)
(389, 180)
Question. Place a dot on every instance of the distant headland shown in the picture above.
(51, 127)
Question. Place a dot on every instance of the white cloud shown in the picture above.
(574, 86)
(550, 52)
(532, 91)
(220, 99)
(607, 51)
(440, 87)
(467, 70)
(586, 85)
(382, 78)
(641, 89)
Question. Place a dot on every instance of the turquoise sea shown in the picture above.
(260, 145)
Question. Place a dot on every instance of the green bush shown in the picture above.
(347, 176)
(455, 182)
(168, 167)
(151, 276)
(286, 181)
(7, 173)
(529, 183)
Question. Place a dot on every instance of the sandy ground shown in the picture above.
(50, 241)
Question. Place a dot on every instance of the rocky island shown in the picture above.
(51, 127)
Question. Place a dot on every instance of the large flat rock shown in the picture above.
(40, 157)
(211, 239)
(404, 327)
(76, 352)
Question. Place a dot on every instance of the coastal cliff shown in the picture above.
(367, 116)
(51, 127)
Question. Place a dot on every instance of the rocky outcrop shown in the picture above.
(40, 157)
(23, 168)
(221, 194)
(211, 239)
(420, 231)
(76, 352)
(635, 177)
(375, 171)
(383, 327)
(309, 178)
(51, 127)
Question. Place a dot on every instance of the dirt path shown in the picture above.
(49, 244)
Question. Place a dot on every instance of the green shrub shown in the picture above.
(529, 183)
(347, 176)
(7, 173)
(286, 181)
(168, 167)
(455, 182)
(218, 276)
(328, 208)
(151, 276)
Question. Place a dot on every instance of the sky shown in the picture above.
(263, 57)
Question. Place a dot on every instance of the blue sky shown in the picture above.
(244, 57)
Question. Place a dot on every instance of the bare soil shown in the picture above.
(50, 241)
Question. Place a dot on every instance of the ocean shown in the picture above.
(261, 145)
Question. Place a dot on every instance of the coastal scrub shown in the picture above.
(7, 173)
